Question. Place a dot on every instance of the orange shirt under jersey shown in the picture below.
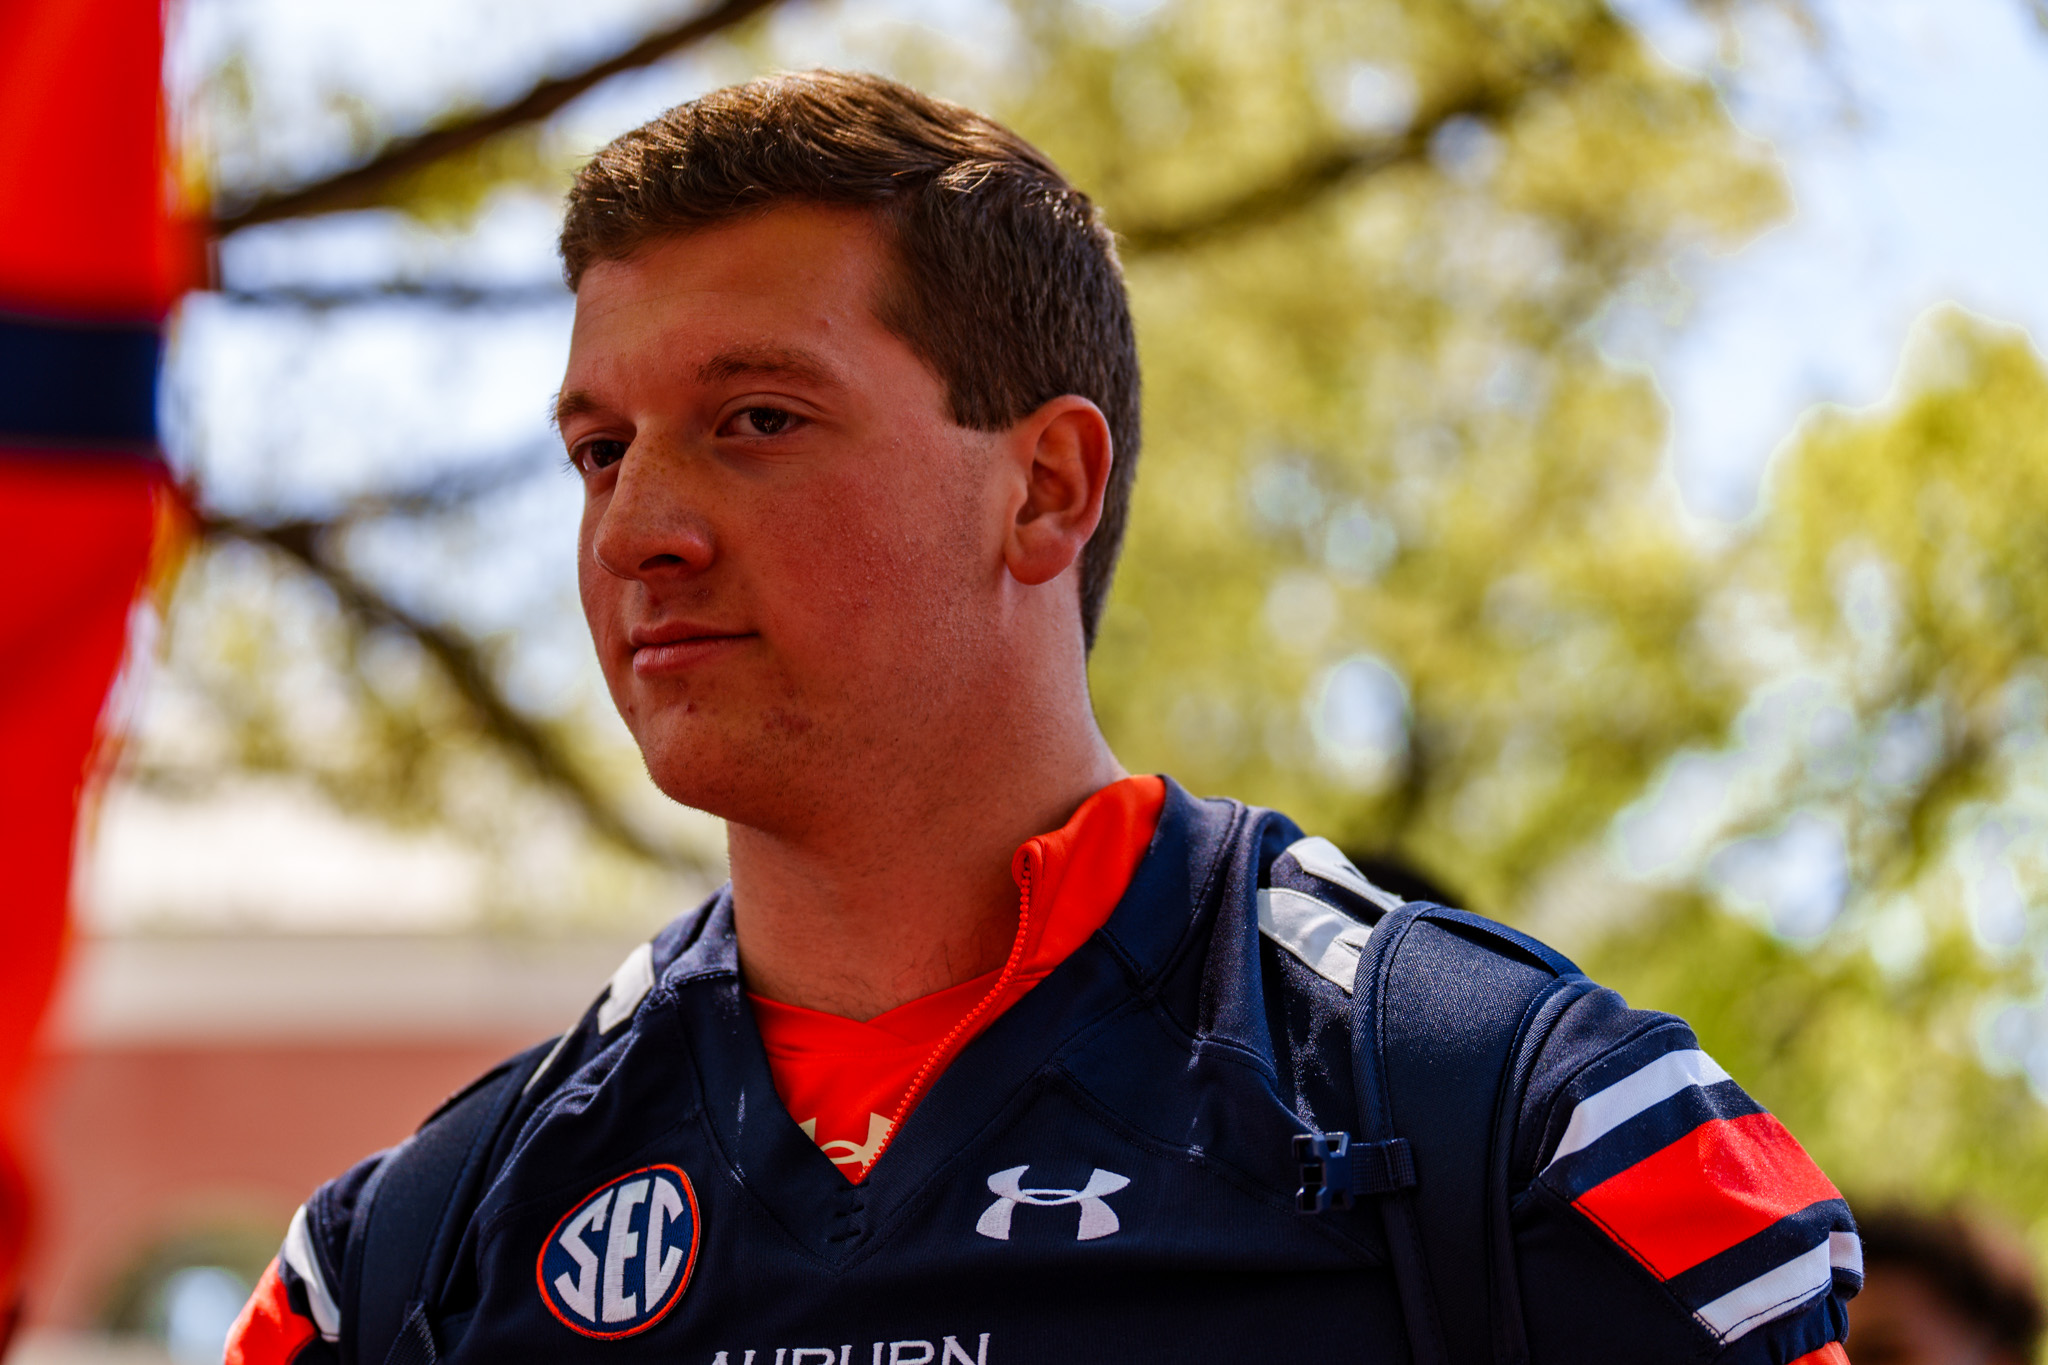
(848, 1082)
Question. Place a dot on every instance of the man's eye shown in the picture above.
(592, 456)
(762, 422)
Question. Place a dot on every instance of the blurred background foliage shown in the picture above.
(1407, 560)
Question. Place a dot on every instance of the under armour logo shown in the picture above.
(1097, 1218)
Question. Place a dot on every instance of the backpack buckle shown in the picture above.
(1325, 1171)
(1335, 1170)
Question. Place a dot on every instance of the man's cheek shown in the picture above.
(822, 581)
(880, 576)
(590, 590)
(603, 612)
(607, 634)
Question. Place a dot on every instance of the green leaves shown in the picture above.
(1405, 340)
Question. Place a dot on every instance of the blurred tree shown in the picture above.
(1890, 608)
(1371, 245)
(1403, 561)
(1406, 560)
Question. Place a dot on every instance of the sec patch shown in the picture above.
(618, 1261)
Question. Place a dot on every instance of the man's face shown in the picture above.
(788, 547)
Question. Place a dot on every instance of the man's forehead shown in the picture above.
(781, 293)
(825, 257)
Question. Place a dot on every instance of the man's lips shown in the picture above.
(670, 649)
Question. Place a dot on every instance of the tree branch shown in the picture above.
(1310, 179)
(360, 186)
(425, 293)
(463, 664)
(1493, 101)
(448, 491)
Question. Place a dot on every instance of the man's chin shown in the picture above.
(755, 783)
(699, 779)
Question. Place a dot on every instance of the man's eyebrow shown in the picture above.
(770, 362)
(571, 403)
(736, 363)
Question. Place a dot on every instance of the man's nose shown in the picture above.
(654, 523)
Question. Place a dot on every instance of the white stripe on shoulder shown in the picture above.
(299, 1255)
(1770, 1295)
(1321, 935)
(1603, 1111)
(628, 987)
(1845, 1252)
(547, 1061)
(1321, 858)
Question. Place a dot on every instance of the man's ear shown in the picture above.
(1063, 453)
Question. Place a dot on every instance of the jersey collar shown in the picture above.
(1204, 855)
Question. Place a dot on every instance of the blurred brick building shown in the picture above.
(198, 1086)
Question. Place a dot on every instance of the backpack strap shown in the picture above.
(414, 1210)
(1442, 1006)
(411, 1214)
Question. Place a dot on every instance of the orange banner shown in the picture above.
(91, 259)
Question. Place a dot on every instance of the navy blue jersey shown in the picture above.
(1108, 1171)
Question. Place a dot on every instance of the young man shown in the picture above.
(990, 1053)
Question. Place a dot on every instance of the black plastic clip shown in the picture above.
(1335, 1170)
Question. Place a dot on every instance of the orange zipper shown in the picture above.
(962, 1032)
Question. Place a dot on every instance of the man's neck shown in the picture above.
(907, 889)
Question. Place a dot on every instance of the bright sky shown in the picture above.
(1916, 144)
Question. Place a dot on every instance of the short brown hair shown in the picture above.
(1008, 283)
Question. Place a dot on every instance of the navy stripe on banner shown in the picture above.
(1647, 1134)
(68, 383)
(1780, 1242)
